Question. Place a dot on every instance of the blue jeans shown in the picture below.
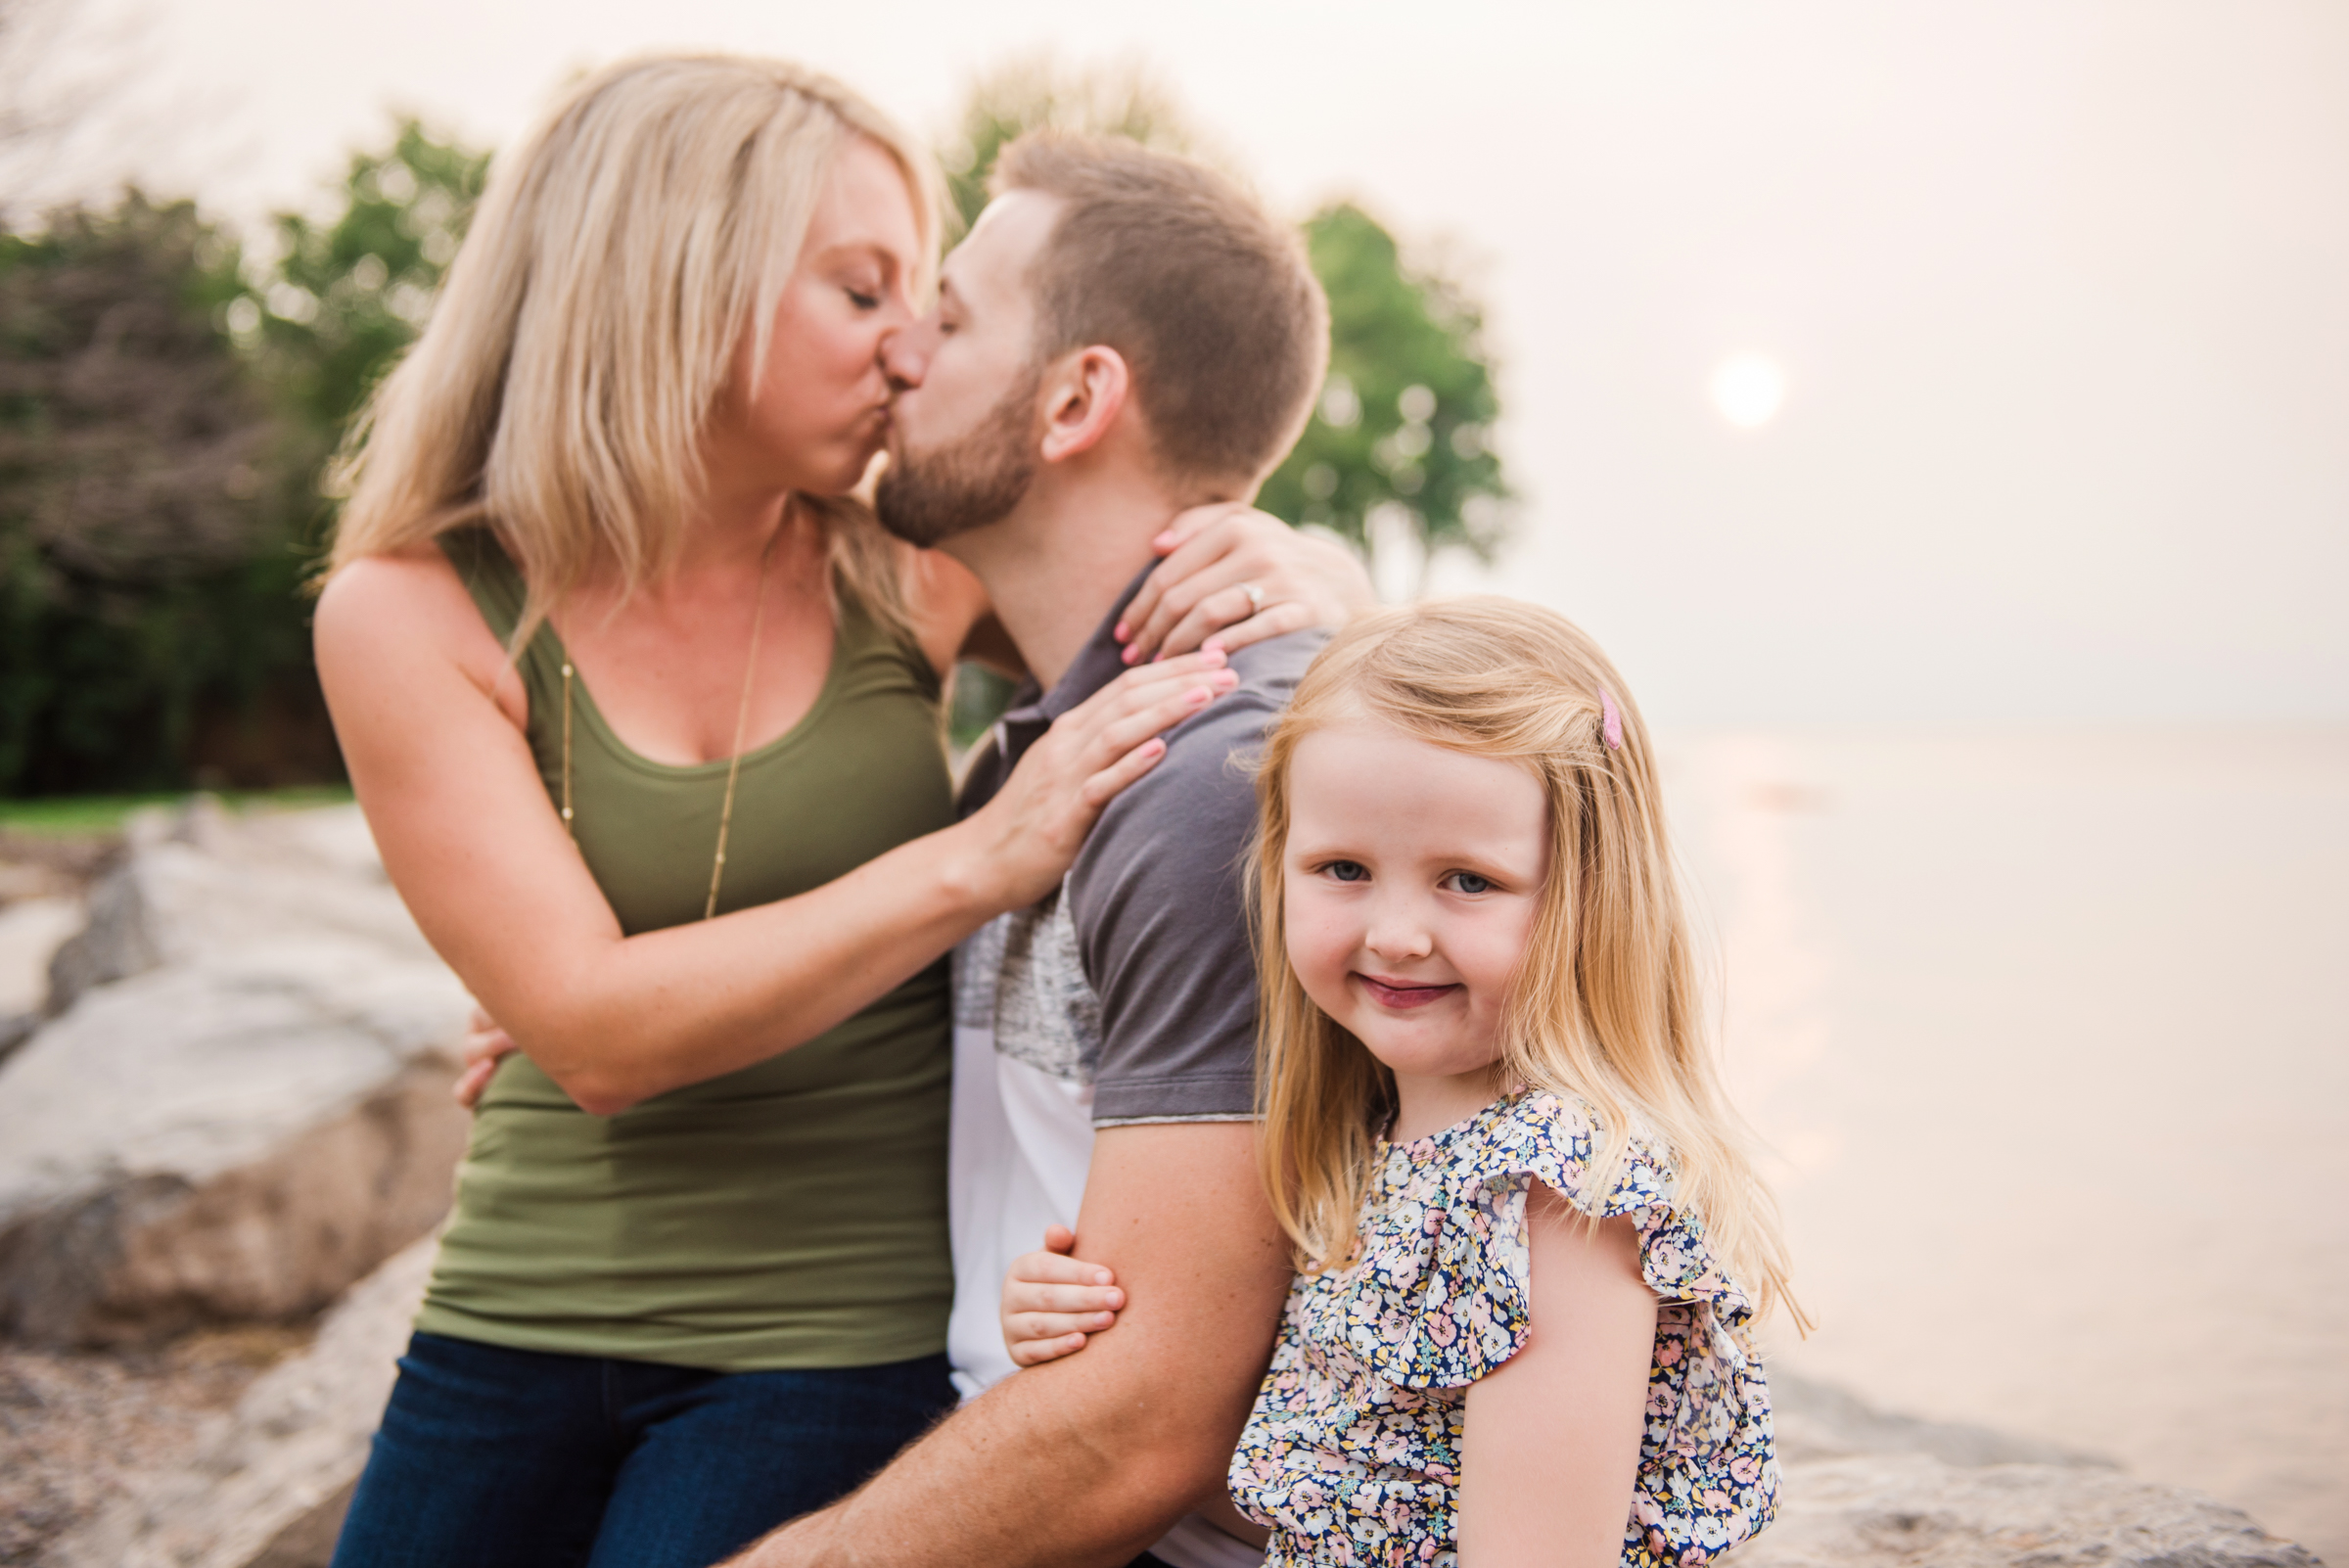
(510, 1458)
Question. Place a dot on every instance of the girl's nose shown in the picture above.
(1394, 933)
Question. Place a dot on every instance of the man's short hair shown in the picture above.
(1210, 300)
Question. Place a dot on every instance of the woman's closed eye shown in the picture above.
(864, 299)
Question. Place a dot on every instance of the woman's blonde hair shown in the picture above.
(1605, 1006)
(593, 315)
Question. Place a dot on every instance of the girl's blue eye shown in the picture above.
(1469, 882)
(1349, 870)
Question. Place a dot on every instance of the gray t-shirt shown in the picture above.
(1139, 978)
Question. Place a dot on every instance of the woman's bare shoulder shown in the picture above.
(403, 603)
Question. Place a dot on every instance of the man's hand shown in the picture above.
(1083, 1462)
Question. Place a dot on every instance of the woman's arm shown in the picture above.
(1551, 1442)
(413, 677)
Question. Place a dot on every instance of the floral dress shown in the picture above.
(1352, 1453)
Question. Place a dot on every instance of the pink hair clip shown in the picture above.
(1610, 720)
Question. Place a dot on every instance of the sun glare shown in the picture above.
(1748, 389)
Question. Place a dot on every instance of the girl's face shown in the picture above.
(821, 410)
(1410, 882)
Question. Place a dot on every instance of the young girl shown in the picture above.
(1523, 1216)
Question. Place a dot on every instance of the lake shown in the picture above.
(2050, 1036)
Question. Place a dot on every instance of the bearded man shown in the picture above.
(1124, 335)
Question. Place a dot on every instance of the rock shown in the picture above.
(30, 932)
(1899, 1510)
(15, 1029)
(50, 865)
(1819, 1421)
(117, 942)
(1864, 1488)
(80, 1429)
(242, 1106)
(276, 1474)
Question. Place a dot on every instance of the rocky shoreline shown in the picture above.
(225, 1137)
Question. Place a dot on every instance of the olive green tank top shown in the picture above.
(789, 1214)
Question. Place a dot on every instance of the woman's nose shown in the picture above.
(903, 357)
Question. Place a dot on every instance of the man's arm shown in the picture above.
(1083, 1462)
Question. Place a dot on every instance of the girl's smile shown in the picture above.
(1401, 993)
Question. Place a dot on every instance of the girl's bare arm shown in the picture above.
(1551, 1442)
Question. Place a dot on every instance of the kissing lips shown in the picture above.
(1396, 994)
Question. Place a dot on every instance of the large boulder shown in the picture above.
(241, 1105)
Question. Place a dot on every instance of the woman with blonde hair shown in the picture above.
(642, 708)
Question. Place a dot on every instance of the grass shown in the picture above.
(91, 815)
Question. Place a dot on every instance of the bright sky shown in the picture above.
(2033, 311)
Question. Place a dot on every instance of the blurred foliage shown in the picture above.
(80, 816)
(1036, 92)
(1404, 421)
(165, 409)
(142, 489)
(349, 292)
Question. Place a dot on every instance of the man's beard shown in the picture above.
(929, 497)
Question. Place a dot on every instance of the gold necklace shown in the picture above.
(742, 721)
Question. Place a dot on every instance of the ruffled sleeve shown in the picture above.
(1441, 1295)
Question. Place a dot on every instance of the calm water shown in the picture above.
(2051, 1035)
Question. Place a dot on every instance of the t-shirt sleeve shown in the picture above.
(1157, 897)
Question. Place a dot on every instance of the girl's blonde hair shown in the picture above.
(592, 318)
(1605, 1006)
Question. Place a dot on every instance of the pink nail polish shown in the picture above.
(1120, 633)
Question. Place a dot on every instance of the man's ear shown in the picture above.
(1083, 397)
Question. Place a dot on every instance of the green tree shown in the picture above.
(349, 292)
(1404, 421)
(144, 502)
(166, 412)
